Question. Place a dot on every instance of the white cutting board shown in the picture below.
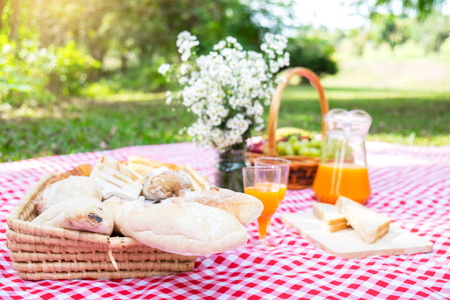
(347, 244)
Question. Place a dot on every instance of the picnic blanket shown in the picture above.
(410, 184)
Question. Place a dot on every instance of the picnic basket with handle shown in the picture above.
(42, 252)
(302, 169)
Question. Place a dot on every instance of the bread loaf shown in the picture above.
(69, 188)
(80, 213)
(114, 205)
(116, 179)
(182, 228)
(163, 183)
(244, 207)
(144, 165)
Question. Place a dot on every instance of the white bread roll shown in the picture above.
(244, 207)
(163, 183)
(114, 205)
(181, 228)
(81, 213)
(69, 188)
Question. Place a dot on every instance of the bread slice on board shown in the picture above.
(330, 215)
(369, 224)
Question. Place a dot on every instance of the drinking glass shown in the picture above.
(280, 162)
(263, 182)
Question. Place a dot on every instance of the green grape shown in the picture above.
(297, 146)
(305, 151)
(305, 143)
(293, 139)
(314, 152)
(289, 150)
(281, 148)
(316, 143)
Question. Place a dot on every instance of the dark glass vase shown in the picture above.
(229, 169)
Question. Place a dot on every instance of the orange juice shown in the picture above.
(269, 194)
(350, 181)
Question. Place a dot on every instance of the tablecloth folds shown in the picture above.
(409, 184)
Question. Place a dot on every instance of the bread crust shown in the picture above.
(244, 207)
(181, 228)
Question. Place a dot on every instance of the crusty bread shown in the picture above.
(244, 207)
(116, 179)
(68, 188)
(199, 181)
(163, 183)
(81, 170)
(114, 205)
(144, 165)
(80, 213)
(182, 228)
(369, 224)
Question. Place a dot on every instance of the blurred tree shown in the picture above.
(390, 29)
(359, 37)
(313, 53)
(2, 9)
(421, 8)
(432, 32)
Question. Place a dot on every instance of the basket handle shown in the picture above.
(276, 100)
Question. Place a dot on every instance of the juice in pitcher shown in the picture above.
(348, 180)
(343, 167)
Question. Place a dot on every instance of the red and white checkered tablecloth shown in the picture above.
(410, 184)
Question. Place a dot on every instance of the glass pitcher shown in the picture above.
(343, 167)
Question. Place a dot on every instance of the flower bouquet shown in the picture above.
(227, 90)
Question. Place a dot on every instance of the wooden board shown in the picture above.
(347, 244)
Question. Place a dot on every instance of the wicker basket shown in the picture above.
(302, 169)
(43, 252)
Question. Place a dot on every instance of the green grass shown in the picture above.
(79, 125)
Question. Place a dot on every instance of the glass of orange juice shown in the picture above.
(263, 182)
(283, 164)
(343, 167)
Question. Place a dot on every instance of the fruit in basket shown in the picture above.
(290, 142)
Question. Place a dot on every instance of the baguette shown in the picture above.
(80, 213)
(144, 165)
(244, 207)
(369, 224)
(181, 228)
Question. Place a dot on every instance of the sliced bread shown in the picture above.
(330, 215)
(369, 224)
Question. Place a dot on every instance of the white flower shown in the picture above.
(168, 97)
(183, 80)
(233, 123)
(163, 69)
(184, 68)
(197, 108)
(220, 45)
(227, 88)
(231, 40)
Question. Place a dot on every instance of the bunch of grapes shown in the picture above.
(300, 146)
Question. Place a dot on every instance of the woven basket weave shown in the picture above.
(43, 252)
(302, 170)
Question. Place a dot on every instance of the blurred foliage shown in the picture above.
(421, 8)
(433, 32)
(390, 29)
(313, 53)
